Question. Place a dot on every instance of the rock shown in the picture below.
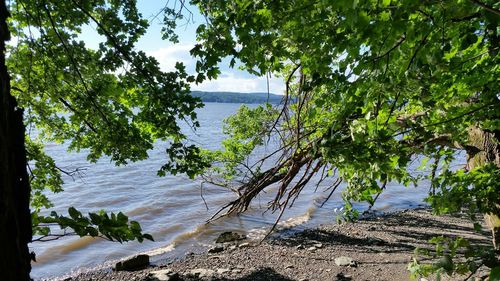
(289, 266)
(223, 270)
(233, 247)
(342, 277)
(311, 249)
(345, 261)
(216, 249)
(300, 247)
(214, 257)
(318, 245)
(163, 275)
(134, 263)
(244, 245)
(236, 271)
(229, 236)
(375, 241)
(201, 272)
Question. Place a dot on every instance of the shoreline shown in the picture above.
(379, 248)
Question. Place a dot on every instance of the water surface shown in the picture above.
(171, 208)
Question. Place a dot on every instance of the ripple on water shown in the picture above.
(171, 207)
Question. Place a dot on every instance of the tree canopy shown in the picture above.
(112, 101)
(371, 88)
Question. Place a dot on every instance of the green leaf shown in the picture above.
(495, 274)
(74, 214)
(148, 236)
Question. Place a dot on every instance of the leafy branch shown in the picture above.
(113, 227)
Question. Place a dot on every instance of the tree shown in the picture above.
(371, 87)
(15, 231)
(114, 101)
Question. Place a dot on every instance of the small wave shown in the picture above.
(149, 211)
(200, 229)
(260, 233)
(295, 221)
(161, 250)
(51, 254)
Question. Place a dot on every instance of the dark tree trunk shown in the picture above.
(486, 149)
(15, 218)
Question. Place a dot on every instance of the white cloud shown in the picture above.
(231, 80)
(169, 56)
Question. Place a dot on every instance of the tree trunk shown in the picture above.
(485, 149)
(15, 217)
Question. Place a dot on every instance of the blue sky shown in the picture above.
(168, 54)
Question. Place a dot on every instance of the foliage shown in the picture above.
(476, 190)
(246, 130)
(114, 227)
(371, 88)
(452, 256)
(112, 101)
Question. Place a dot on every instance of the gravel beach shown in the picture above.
(377, 248)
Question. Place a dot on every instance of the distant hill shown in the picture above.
(232, 97)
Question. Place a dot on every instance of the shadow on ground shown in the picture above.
(261, 274)
(400, 232)
(268, 274)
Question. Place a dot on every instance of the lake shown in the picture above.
(171, 208)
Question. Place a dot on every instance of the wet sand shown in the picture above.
(380, 249)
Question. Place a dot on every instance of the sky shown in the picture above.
(167, 53)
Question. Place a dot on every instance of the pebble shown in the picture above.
(163, 275)
(216, 249)
(375, 241)
(318, 245)
(223, 270)
(201, 272)
(345, 261)
(244, 245)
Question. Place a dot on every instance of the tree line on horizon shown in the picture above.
(236, 97)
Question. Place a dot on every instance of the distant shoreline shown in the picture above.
(380, 249)
(235, 97)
